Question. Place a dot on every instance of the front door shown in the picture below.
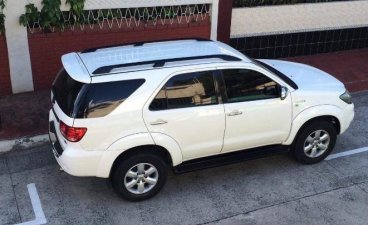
(187, 109)
(255, 114)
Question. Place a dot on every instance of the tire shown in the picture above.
(138, 184)
(312, 145)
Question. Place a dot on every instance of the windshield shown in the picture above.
(276, 72)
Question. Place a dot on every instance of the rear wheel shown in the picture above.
(315, 142)
(139, 177)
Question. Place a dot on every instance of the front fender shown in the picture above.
(310, 113)
(136, 140)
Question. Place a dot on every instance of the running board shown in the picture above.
(229, 158)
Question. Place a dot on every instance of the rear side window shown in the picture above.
(102, 98)
(186, 90)
(66, 91)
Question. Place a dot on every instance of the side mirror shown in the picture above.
(283, 92)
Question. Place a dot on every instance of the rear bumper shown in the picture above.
(347, 118)
(78, 162)
(70, 156)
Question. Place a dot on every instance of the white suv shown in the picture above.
(131, 112)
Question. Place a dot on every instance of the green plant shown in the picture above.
(2, 16)
(31, 16)
(2, 4)
(2, 21)
(76, 8)
(50, 15)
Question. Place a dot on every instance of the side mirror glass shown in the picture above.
(283, 92)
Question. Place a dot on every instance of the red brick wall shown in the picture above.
(46, 49)
(224, 20)
(5, 85)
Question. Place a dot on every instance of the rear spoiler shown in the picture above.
(75, 68)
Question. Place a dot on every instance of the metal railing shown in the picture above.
(128, 18)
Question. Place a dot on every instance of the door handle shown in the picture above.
(235, 113)
(158, 122)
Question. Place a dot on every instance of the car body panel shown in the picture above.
(318, 111)
(194, 122)
(262, 122)
(154, 51)
(306, 77)
(194, 132)
(74, 66)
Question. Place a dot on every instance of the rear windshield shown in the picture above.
(66, 91)
(80, 100)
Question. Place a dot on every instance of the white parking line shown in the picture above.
(37, 207)
(351, 152)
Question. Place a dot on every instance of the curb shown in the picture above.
(23, 143)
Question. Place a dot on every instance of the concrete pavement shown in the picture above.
(265, 191)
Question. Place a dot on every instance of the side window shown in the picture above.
(186, 90)
(102, 98)
(248, 85)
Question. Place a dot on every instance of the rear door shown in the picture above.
(187, 109)
(255, 113)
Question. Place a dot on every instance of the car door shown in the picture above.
(187, 110)
(255, 113)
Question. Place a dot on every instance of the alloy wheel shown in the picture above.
(141, 178)
(316, 143)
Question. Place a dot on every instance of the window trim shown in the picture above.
(163, 84)
(224, 88)
(277, 73)
(253, 66)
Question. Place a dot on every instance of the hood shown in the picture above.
(306, 77)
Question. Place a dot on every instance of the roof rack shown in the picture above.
(137, 44)
(161, 63)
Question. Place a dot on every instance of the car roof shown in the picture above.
(82, 66)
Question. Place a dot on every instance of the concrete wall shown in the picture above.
(298, 18)
(28, 53)
(46, 49)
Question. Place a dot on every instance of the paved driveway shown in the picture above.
(274, 190)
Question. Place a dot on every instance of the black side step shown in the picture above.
(229, 158)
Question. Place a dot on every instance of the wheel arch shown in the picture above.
(144, 149)
(138, 143)
(334, 120)
(326, 112)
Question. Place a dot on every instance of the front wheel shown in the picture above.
(139, 177)
(315, 142)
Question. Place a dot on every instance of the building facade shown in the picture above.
(30, 48)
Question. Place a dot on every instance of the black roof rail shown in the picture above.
(161, 63)
(136, 44)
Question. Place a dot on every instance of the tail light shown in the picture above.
(72, 134)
